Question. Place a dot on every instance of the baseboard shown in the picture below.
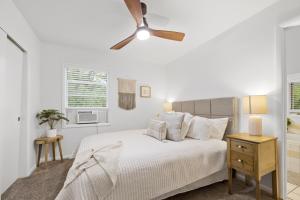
(69, 156)
(31, 170)
(266, 188)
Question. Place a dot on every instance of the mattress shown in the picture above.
(150, 169)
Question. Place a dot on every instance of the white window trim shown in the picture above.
(66, 126)
(64, 98)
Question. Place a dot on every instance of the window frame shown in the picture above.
(65, 89)
(64, 99)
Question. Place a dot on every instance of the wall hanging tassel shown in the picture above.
(127, 93)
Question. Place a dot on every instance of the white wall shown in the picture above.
(12, 22)
(54, 57)
(240, 62)
(292, 49)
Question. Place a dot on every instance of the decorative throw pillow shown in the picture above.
(217, 128)
(157, 129)
(186, 124)
(174, 121)
(199, 128)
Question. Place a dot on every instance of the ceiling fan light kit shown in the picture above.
(143, 34)
(138, 10)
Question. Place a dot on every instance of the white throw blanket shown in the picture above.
(100, 167)
(149, 168)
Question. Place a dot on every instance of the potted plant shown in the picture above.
(52, 117)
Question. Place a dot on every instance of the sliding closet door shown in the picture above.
(13, 98)
(3, 41)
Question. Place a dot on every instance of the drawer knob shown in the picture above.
(240, 161)
(241, 147)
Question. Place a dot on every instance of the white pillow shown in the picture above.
(174, 121)
(199, 128)
(157, 129)
(185, 126)
(218, 128)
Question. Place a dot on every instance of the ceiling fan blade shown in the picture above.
(134, 6)
(170, 35)
(123, 43)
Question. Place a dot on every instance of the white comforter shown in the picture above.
(149, 168)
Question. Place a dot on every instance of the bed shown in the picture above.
(151, 169)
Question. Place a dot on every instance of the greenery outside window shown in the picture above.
(86, 88)
(295, 97)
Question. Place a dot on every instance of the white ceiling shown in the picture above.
(99, 24)
(291, 23)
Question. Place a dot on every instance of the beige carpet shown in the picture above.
(46, 182)
(43, 184)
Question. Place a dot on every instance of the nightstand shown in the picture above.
(46, 141)
(254, 156)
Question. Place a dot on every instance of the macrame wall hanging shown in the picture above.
(127, 93)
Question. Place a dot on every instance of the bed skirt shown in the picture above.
(214, 178)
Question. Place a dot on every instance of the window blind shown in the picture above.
(86, 88)
(295, 96)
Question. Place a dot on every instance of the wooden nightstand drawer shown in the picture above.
(242, 162)
(242, 147)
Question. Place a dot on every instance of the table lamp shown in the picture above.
(168, 107)
(255, 106)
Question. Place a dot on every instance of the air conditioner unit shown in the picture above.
(87, 117)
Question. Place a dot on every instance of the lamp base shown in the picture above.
(255, 125)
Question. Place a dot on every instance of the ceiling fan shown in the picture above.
(138, 10)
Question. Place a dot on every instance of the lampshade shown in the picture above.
(168, 107)
(255, 104)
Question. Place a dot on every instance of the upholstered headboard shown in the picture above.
(213, 108)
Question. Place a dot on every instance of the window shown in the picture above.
(295, 96)
(85, 88)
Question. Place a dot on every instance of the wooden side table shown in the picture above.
(254, 156)
(46, 141)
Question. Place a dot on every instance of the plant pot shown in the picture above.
(51, 132)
